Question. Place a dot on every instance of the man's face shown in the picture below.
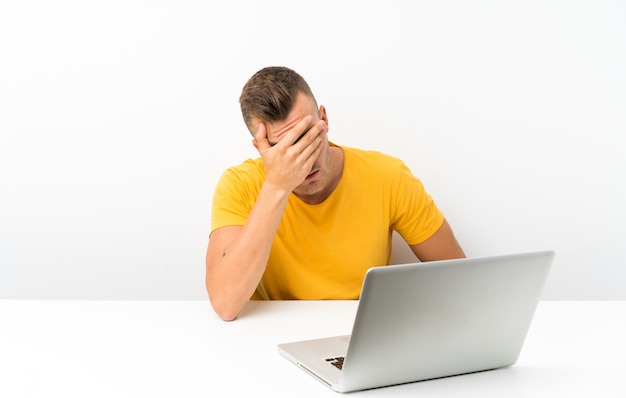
(316, 186)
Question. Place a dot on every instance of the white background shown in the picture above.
(117, 118)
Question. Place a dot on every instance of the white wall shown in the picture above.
(117, 118)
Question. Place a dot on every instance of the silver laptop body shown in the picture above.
(429, 320)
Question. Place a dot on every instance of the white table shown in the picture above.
(181, 349)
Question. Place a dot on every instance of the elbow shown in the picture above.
(227, 314)
(223, 308)
(225, 304)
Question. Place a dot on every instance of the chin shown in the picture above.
(309, 189)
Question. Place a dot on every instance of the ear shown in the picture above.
(254, 143)
(323, 115)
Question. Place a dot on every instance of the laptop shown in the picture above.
(423, 321)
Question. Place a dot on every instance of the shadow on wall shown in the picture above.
(401, 253)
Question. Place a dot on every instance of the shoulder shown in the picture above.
(248, 169)
(246, 175)
(249, 166)
(371, 160)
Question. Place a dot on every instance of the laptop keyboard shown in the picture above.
(336, 362)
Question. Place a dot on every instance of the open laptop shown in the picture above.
(429, 320)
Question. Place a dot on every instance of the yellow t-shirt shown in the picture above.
(323, 251)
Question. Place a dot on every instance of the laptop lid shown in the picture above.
(428, 320)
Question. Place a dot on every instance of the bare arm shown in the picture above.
(442, 245)
(237, 255)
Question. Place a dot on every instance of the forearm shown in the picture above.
(237, 257)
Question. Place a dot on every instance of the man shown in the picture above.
(308, 218)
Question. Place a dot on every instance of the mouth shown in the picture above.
(312, 175)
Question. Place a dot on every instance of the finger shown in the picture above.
(262, 144)
(298, 131)
(310, 139)
(313, 147)
(315, 133)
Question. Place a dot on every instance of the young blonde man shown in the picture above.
(309, 217)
